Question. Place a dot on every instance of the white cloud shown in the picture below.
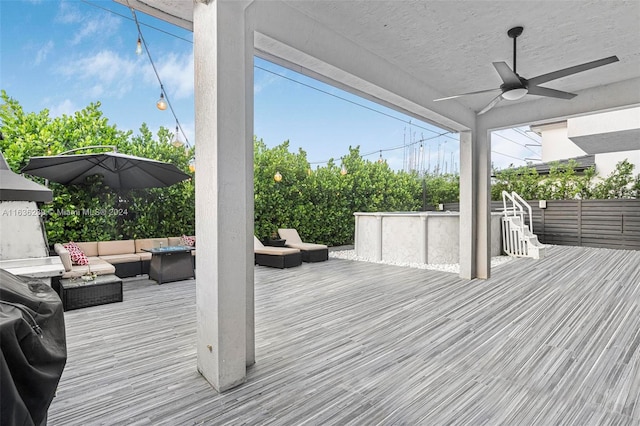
(266, 81)
(68, 14)
(112, 73)
(65, 107)
(103, 26)
(43, 52)
(88, 24)
(176, 73)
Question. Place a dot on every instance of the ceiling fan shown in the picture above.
(515, 87)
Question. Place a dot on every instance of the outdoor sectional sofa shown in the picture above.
(124, 258)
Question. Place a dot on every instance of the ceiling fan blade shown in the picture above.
(493, 103)
(571, 70)
(465, 94)
(506, 74)
(551, 93)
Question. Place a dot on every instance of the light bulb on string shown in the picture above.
(192, 165)
(380, 160)
(162, 103)
(343, 171)
(139, 47)
(176, 138)
(277, 177)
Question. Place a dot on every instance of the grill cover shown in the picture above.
(34, 351)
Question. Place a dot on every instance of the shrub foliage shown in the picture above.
(318, 202)
(93, 211)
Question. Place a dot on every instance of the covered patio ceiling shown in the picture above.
(403, 54)
(448, 47)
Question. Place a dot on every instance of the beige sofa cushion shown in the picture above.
(65, 256)
(149, 243)
(121, 258)
(89, 248)
(175, 241)
(109, 248)
(144, 255)
(96, 265)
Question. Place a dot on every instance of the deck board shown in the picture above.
(551, 341)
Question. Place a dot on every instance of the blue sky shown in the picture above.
(63, 55)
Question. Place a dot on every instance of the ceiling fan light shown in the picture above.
(515, 94)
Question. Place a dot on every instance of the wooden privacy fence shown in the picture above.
(589, 223)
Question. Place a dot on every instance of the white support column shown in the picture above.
(483, 199)
(223, 55)
(424, 230)
(378, 256)
(475, 205)
(468, 205)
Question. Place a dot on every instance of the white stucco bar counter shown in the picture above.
(42, 268)
(415, 237)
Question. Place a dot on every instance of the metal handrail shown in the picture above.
(517, 209)
(519, 198)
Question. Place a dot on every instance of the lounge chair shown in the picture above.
(310, 252)
(276, 257)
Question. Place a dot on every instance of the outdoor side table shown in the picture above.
(172, 263)
(77, 293)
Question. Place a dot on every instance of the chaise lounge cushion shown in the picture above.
(278, 257)
(310, 252)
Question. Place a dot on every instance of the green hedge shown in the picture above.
(92, 211)
(318, 202)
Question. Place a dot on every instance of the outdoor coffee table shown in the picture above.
(78, 293)
(172, 263)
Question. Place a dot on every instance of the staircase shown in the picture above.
(518, 239)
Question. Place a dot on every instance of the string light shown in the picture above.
(164, 101)
(343, 171)
(380, 160)
(277, 177)
(139, 47)
(192, 165)
(161, 104)
(176, 138)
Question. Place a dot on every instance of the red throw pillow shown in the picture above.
(188, 241)
(77, 255)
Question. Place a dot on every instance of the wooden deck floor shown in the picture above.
(555, 341)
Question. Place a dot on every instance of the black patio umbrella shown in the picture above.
(118, 170)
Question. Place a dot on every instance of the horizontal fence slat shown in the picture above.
(590, 223)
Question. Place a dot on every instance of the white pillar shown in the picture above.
(468, 206)
(483, 199)
(223, 56)
(475, 205)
